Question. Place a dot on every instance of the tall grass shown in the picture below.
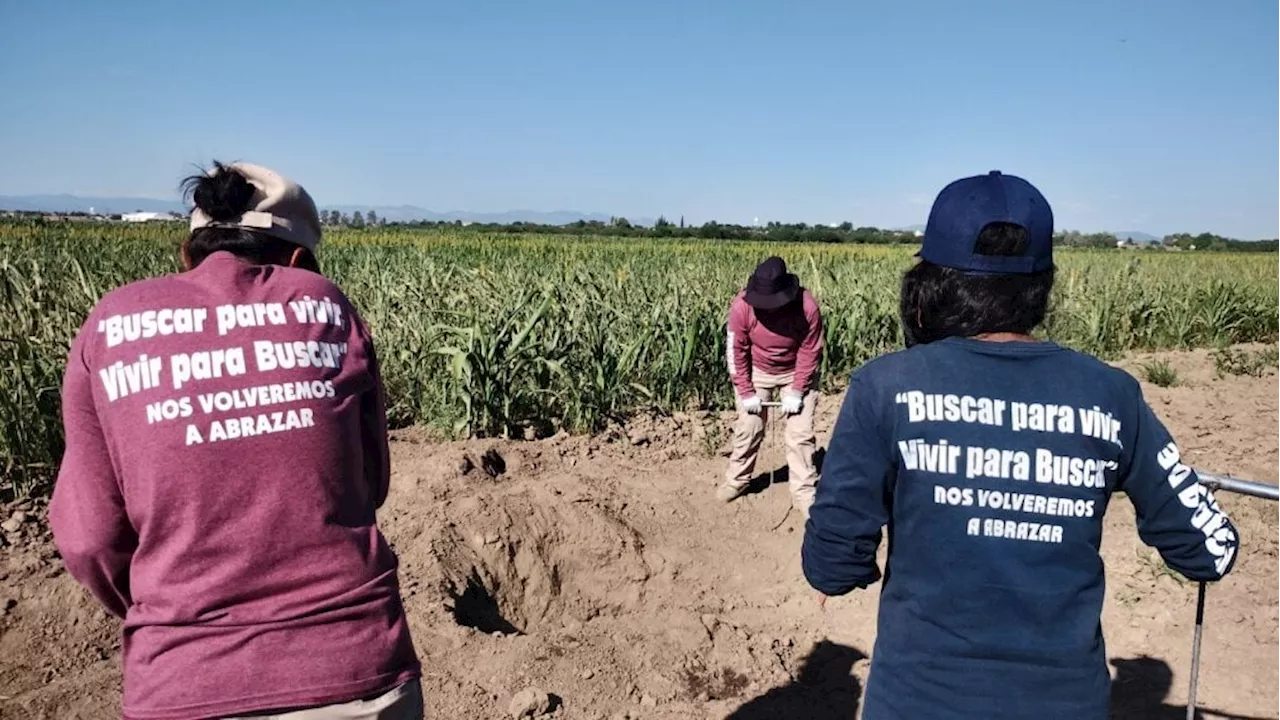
(489, 335)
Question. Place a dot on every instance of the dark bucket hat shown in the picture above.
(771, 286)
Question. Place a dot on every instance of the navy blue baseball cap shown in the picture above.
(968, 205)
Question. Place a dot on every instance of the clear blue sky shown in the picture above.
(1156, 115)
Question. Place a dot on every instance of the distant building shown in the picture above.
(145, 216)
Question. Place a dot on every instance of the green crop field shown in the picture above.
(492, 334)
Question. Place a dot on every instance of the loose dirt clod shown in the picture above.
(530, 703)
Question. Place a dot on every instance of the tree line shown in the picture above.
(790, 232)
(712, 230)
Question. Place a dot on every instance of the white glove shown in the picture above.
(792, 403)
(752, 405)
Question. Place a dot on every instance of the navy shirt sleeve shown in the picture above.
(853, 500)
(1176, 514)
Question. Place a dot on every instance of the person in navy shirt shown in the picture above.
(991, 457)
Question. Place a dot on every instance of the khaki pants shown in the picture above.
(748, 434)
(401, 703)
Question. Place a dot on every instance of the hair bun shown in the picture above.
(223, 194)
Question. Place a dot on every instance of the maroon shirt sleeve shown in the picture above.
(373, 421)
(738, 347)
(87, 512)
(809, 356)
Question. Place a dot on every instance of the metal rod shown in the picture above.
(1195, 654)
(1244, 487)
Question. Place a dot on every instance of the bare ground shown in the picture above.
(603, 571)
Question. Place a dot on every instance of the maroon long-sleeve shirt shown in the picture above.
(226, 451)
(784, 341)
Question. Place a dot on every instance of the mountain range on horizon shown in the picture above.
(392, 213)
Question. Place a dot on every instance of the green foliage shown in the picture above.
(1075, 238)
(46, 290)
(488, 334)
(1209, 241)
(1231, 361)
(1160, 373)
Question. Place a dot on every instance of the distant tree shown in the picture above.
(357, 219)
(373, 218)
(681, 222)
(662, 227)
(822, 234)
(1068, 238)
(846, 226)
(620, 222)
(779, 232)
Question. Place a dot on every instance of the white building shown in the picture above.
(145, 216)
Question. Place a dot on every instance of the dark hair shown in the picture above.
(224, 195)
(939, 302)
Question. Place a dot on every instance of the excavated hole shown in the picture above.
(511, 563)
(505, 585)
(476, 607)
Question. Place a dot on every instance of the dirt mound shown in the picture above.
(601, 571)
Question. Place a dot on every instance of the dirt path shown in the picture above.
(602, 570)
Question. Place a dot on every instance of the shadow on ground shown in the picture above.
(1140, 688)
(782, 474)
(824, 689)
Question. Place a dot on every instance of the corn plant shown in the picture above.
(493, 334)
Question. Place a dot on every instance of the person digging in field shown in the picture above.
(226, 451)
(774, 350)
(992, 456)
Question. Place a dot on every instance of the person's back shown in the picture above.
(992, 458)
(226, 453)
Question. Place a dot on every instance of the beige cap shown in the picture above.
(280, 208)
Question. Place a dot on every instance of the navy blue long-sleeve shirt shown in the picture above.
(991, 464)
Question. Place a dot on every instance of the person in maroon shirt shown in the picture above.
(774, 353)
(226, 451)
